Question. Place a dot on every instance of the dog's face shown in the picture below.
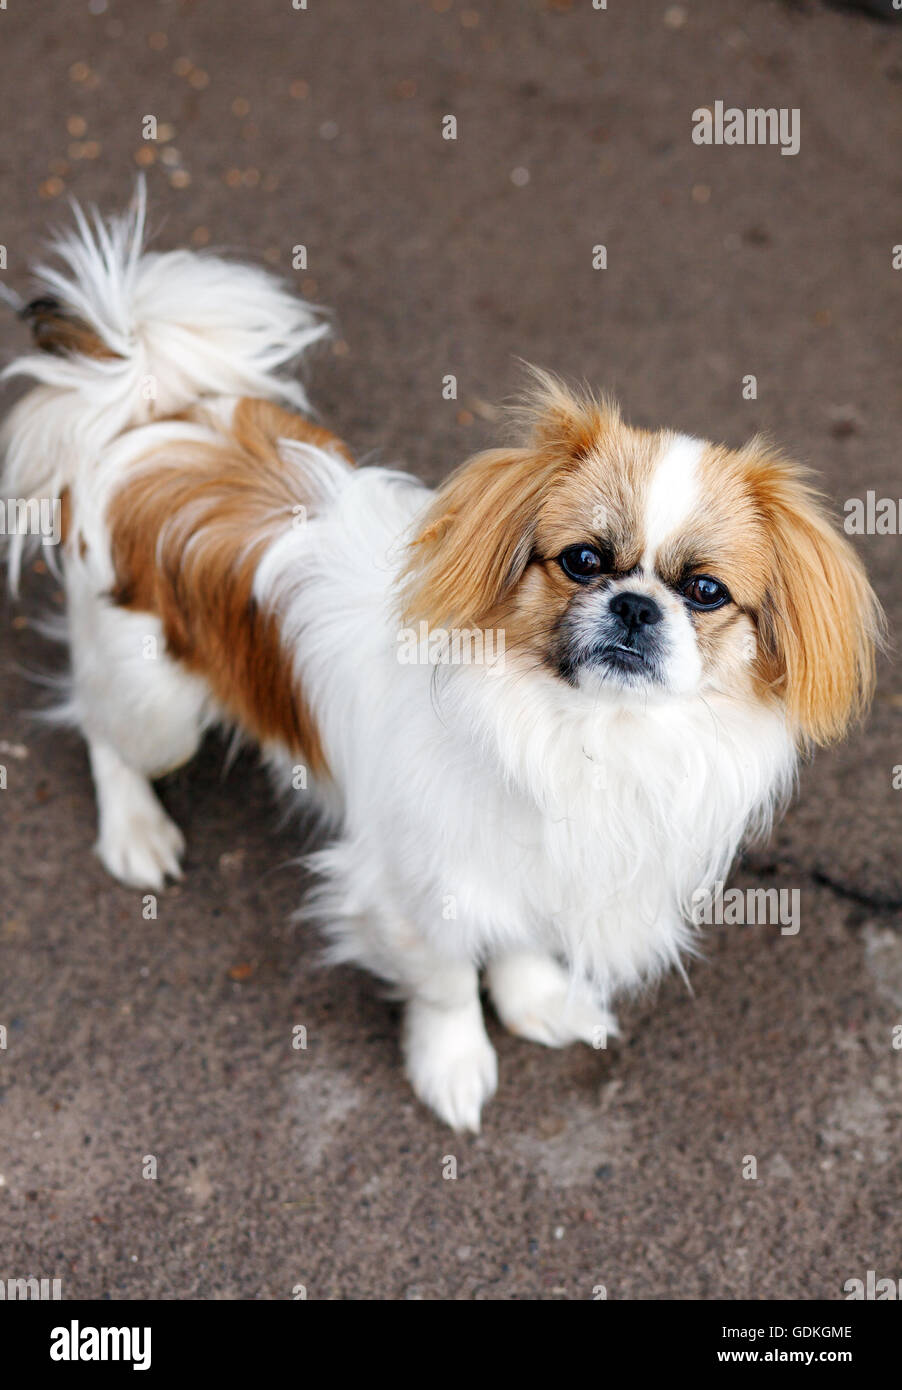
(630, 583)
(652, 566)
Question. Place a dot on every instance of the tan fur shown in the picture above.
(477, 537)
(819, 621)
(487, 556)
(229, 502)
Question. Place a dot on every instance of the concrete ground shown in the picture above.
(280, 127)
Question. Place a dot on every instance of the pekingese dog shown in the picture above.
(540, 708)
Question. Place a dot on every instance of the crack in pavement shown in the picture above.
(878, 902)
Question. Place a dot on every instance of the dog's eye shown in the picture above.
(581, 562)
(704, 592)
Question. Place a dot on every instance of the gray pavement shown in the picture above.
(171, 1038)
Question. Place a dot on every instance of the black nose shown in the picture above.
(636, 610)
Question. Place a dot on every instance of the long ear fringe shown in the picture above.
(476, 539)
(821, 625)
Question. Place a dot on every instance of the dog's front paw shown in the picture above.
(450, 1062)
(536, 999)
(143, 846)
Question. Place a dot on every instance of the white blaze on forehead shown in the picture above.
(673, 493)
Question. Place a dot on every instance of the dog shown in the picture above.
(538, 709)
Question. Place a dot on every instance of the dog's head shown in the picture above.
(652, 565)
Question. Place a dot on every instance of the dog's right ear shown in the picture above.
(477, 537)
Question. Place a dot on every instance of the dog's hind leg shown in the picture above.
(142, 715)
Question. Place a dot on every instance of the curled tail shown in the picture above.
(127, 336)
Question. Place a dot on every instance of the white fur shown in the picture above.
(536, 999)
(673, 493)
(184, 325)
(671, 499)
(493, 817)
(136, 841)
(487, 813)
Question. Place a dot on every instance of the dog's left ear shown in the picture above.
(820, 622)
(476, 538)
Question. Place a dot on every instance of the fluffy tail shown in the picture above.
(126, 336)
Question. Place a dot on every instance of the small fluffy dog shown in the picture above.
(541, 707)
